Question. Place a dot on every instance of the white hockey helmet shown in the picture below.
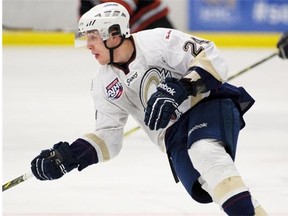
(104, 18)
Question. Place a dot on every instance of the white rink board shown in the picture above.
(46, 99)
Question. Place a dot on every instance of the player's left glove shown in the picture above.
(164, 102)
(282, 45)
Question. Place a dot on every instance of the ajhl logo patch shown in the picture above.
(114, 89)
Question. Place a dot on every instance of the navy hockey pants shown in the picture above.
(217, 119)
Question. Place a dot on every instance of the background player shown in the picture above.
(145, 14)
(193, 115)
(282, 45)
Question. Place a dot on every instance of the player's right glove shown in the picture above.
(54, 163)
(282, 45)
(164, 102)
(62, 158)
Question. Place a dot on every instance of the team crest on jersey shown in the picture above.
(150, 81)
(114, 89)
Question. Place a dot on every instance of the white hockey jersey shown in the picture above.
(159, 53)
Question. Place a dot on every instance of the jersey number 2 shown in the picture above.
(193, 45)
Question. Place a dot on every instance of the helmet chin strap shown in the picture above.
(111, 49)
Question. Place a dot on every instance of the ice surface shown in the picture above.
(46, 98)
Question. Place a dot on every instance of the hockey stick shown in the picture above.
(253, 65)
(17, 181)
(282, 47)
(29, 174)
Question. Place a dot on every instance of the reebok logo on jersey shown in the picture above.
(166, 88)
(114, 89)
(202, 125)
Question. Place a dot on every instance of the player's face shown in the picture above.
(97, 47)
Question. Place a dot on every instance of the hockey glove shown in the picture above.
(54, 163)
(282, 45)
(62, 158)
(163, 103)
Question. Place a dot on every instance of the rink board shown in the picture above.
(223, 39)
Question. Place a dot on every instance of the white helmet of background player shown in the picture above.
(103, 18)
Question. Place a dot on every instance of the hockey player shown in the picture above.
(173, 85)
(282, 45)
(145, 14)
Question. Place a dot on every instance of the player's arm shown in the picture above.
(197, 60)
(101, 145)
(207, 70)
(202, 69)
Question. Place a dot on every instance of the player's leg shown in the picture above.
(176, 146)
(230, 183)
(214, 128)
(221, 179)
(213, 119)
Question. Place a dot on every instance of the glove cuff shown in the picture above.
(84, 153)
(64, 155)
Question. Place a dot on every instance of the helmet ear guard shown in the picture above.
(106, 18)
(114, 30)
